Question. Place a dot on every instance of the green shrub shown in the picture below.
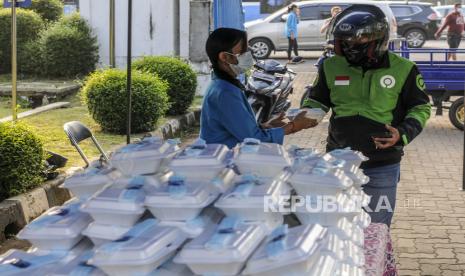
(30, 59)
(181, 78)
(76, 21)
(67, 51)
(29, 25)
(21, 159)
(104, 92)
(49, 10)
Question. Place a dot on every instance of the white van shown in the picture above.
(267, 35)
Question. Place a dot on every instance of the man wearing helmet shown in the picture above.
(377, 100)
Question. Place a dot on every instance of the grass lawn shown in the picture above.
(49, 126)
(5, 107)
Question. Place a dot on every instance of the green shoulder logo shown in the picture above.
(420, 83)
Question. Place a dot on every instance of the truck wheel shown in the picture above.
(457, 113)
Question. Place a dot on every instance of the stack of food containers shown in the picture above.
(203, 199)
(331, 187)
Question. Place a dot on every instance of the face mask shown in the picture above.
(355, 54)
(244, 63)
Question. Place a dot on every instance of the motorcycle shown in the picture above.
(268, 88)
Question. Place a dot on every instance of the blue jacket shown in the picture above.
(291, 24)
(227, 117)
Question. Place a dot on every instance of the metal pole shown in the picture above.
(112, 34)
(14, 69)
(128, 81)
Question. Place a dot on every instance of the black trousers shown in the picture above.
(292, 46)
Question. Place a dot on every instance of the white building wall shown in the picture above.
(153, 27)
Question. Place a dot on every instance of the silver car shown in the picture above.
(267, 35)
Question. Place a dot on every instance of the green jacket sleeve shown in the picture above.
(417, 105)
(319, 96)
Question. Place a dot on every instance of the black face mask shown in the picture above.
(356, 54)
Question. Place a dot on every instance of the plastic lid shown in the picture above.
(333, 246)
(17, 262)
(91, 177)
(138, 181)
(102, 231)
(249, 191)
(286, 247)
(349, 155)
(61, 222)
(321, 175)
(180, 192)
(254, 151)
(78, 267)
(201, 154)
(344, 229)
(115, 199)
(148, 147)
(207, 220)
(144, 242)
(232, 241)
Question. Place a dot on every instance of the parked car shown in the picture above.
(443, 11)
(416, 21)
(267, 35)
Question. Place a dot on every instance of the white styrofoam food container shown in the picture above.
(195, 227)
(333, 246)
(357, 195)
(263, 159)
(252, 198)
(201, 161)
(345, 269)
(327, 211)
(287, 251)
(172, 269)
(363, 220)
(85, 184)
(144, 157)
(353, 254)
(179, 199)
(140, 251)
(103, 233)
(350, 156)
(317, 180)
(77, 266)
(346, 230)
(312, 113)
(57, 229)
(222, 251)
(16, 262)
(269, 225)
(114, 205)
(140, 180)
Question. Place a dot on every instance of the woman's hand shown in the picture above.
(276, 121)
(299, 123)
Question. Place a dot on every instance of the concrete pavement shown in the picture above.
(429, 223)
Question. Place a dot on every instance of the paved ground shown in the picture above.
(429, 223)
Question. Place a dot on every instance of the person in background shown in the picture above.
(291, 31)
(227, 118)
(377, 99)
(455, 22)
(334, 11)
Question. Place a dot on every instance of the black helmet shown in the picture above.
(361, 34)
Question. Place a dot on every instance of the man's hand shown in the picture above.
(276, 121)
(384, 143)
(437, 36)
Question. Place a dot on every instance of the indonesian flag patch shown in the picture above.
(342, 80)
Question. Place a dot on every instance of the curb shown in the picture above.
(17, 211)
(174, 127)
